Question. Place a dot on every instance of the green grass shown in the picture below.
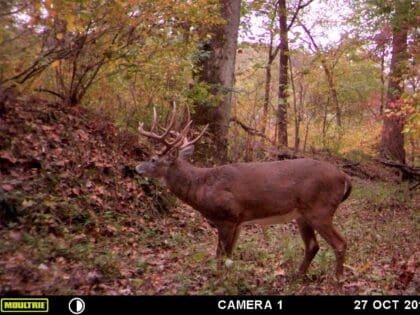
(380, 195)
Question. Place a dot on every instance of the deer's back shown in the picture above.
(276, 187)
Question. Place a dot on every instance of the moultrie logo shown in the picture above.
(24, 305)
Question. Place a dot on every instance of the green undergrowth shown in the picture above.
(379, 196)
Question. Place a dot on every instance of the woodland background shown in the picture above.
(275, 79)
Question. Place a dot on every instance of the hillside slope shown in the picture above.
(67, 184)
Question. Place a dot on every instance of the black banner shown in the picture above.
(201, 305)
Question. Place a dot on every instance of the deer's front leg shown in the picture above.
(228, 233)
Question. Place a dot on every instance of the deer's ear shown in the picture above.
(186, 152)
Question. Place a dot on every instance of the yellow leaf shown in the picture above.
(80, 28)
(56, 64)
(364, 267)
(70, 23)
(59, 36)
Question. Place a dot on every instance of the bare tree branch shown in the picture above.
(50, 92)
(250, 130)
(309, 35)
(14, 12)
(299, 7)
(328, 73)
(295, 14)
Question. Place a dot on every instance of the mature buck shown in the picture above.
(233, 195)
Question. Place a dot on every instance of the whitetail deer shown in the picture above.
(233, 195)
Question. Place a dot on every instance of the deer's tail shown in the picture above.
(347, 188)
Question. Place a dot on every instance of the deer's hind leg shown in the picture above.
(321, 221)
(311, 244)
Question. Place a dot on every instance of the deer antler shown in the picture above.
(187, 142)
(151, 133)
(179, 139)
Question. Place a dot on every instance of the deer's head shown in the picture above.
(175, 145)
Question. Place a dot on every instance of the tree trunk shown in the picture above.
(283, 78)
(300, 114)
(381, 107)
(305, 140)
(218, 71)
(267, 87)
(296, 115)
(324, 123)
(333, 91)
(392, 138)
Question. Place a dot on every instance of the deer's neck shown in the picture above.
(183, 179)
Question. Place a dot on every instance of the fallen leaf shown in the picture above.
(27, 203)
(75, 191)
(7, 156)
(16, 236)
(279, 272)
(43, 267)
(7, 187)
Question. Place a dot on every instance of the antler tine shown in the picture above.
(155, 125)
(171, 122)
(179, 139)
(180, 136)
(186, 129)
(155, 119)
(147, 133)
(190, 142)
(184, 132)
(150, 133)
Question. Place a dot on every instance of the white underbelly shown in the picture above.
(276, 219)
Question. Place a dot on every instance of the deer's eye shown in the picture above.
(153, 160)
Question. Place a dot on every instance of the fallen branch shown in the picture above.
(411, 173)
(283, 155)
(354, 169)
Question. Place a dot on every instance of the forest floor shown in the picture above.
(74, 219)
